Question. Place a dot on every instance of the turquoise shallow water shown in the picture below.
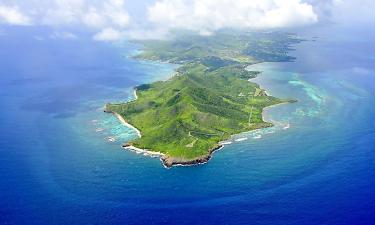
(60, 166)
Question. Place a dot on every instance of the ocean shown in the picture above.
(61, 160)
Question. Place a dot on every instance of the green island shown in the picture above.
(209, 98)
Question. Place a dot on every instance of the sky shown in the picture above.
(112, 20)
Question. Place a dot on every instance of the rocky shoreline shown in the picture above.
(169, 161)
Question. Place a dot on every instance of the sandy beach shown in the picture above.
(127, 124)
(143, 151)
(135, 94)
(168, 161)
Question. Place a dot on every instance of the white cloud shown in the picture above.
(94, 15)
(206, 16)
(93, 18)
(353, 12)
(109, 19)
(360, 70)
(203, 16)
(346, 12)
(39, 38)
(108, 34)
(146, 34)
(12, 15)
(63, 35)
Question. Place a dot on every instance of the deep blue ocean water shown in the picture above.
(58, 165)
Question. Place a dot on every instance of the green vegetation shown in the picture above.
(208, 99)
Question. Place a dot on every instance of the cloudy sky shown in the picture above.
(111, 20)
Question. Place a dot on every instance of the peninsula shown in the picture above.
(210, 97)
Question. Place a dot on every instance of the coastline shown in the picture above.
(268, 94)
(145, 152)
(270, 107)
(135, 94)
(169, 161)
(123, 121)
(209, 61)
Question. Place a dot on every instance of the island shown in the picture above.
(209, 98)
